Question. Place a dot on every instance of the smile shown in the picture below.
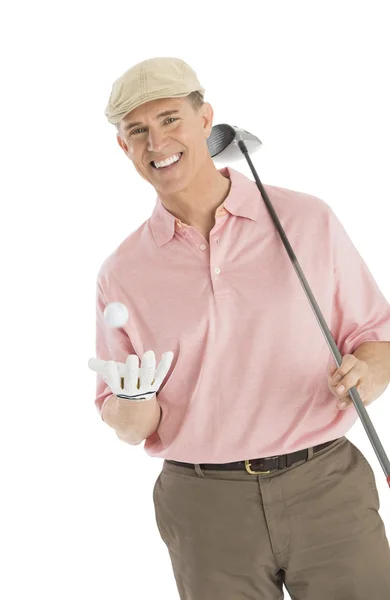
(168, 163)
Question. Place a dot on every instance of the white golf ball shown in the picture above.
(116, 314)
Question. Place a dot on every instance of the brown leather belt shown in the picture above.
(266, 465)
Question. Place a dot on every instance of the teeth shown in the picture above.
(168, 161)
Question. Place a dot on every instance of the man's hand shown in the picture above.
(352, 372)
(130, 382)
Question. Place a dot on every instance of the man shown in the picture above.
(259, 486)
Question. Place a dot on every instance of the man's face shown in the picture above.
(146, 135)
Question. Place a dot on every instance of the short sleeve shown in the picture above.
(360, 311)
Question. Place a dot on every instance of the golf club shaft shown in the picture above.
(357, 401)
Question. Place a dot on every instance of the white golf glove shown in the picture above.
(149, 377)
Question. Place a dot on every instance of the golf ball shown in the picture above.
(116, 314)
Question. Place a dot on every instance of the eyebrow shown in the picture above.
(166, 113)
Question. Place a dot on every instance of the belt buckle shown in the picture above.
(249, 470)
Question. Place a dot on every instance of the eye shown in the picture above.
(135, 131)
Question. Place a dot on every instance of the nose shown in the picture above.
(157, 141)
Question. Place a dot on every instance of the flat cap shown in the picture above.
(151, 79)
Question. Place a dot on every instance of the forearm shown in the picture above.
(377, 356)
(133, 421)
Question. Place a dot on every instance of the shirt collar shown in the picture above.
(240, 202)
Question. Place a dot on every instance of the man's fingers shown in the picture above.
(147, 371)
(112, 377)
(99, 366)
(148, 374)
(131, 374)
(96, 364)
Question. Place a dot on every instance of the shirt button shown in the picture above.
(217, 271)
(202, 247)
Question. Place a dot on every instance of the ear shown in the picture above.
(121, 143)
(207, 117)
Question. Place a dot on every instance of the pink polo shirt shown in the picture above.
(249, 373)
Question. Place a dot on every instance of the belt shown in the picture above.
(266, 465)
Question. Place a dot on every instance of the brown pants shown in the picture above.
(313, 527)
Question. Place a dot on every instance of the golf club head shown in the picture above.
(223, 143)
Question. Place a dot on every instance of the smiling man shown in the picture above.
(165, 140)
(259, 488)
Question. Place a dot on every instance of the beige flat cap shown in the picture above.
(151, 79)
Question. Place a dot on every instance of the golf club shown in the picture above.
(224, 143)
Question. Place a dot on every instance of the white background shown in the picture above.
(311, 80)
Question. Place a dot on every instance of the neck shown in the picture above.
(196, 204)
